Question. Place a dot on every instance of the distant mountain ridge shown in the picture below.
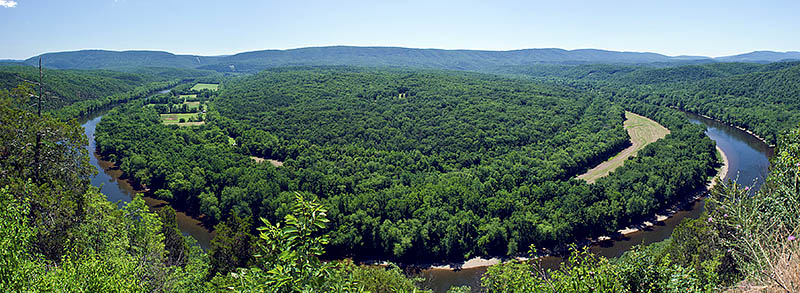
(378, 56)
(762, 56)
(102, 59)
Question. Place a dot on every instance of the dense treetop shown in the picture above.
(395, 164)
(64, 87)
(440, 115)
(413, 165)
(744, 240)
(405, 164)
(758, 97)
(58, 233)
(74, 93)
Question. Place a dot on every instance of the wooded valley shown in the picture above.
(415, 166)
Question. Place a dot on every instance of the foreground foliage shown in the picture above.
(288, 260)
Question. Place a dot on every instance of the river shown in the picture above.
(121, 191)
(748, 163)
(748, 160)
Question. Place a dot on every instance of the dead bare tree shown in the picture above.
(37, 149)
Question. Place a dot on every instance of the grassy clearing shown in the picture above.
(175, 117)
(192, 105)
(642, 131)
(169, 119)
(196, 123)
(189, 105)
(205, 86)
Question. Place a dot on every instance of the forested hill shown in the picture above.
(58, 233)
(431, 58)
(642, 75)
(762, 56)
(414, 165)
(759, 97)
(763, 102)
(347, 55)
(474, 60)
(66, 87)
(101, 59)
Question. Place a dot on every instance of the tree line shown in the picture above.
(757, 97)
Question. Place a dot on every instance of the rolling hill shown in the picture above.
(101, 59)
(347, 55)
(762, 57)
(473, 60)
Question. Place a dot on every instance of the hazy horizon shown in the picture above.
(376, 46)
(209, 28)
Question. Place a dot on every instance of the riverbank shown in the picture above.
(728, 124)
(188, 224)
(110, 179)
(472, 263)
(722, 171)
(737, 127)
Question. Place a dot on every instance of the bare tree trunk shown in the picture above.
(37, 148)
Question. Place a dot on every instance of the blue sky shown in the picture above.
(710, 28)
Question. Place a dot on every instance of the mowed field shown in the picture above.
(205, 86)
(642, 131)
(176, 118)
(192, 105)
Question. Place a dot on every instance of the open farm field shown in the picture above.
(642, 131)
(205, 86)
(174, 118)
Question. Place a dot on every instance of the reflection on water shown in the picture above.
(748, 156)
(120, 190)
(441, 280)
(748, 163)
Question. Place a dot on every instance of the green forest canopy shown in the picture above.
(59, 233)
(413, 164)
(220, 180)
(761, 98)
